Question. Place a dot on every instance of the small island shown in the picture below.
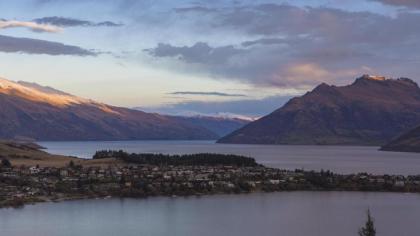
(121, 174)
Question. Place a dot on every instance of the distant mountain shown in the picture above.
(221, 126)
(370, 111)
(408, 142)
(36, 112)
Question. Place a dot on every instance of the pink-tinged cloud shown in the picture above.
(5, 24)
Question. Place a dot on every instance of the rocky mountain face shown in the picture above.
(370, 111)
(407, 142)
(43, 113)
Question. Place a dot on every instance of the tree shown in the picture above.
(71, 164)
(6, 163)
(369, 228)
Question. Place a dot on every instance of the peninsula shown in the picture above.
(120, 174)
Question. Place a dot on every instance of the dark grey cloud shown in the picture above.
(207, 94)
(404, 3)
(245, 107)
(10, 44)
(195, 9)
(72, 22)
(108, 24)
(272, 64)
(265, 41)
(273, 19)
(198, 53)
(319, 24)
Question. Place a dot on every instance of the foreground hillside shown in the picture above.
(21, 154)
(42, 113)
(29, 154)
(370, 111)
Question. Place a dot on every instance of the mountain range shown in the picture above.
(36, 112)
(370, 111)
(220, 126)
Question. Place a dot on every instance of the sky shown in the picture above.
(205, 57)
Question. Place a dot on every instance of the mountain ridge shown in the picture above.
(218, 125)
(43, 113)
(370, 111)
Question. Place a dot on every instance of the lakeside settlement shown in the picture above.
(146, 175)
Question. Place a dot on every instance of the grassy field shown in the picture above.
(30, 154)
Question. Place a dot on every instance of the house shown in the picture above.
(64, 173)
(274, 181)
(34, 170)
(399, 183)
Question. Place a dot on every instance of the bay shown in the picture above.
(340, 159)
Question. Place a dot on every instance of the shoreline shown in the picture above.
(360, 183)
(94, 198)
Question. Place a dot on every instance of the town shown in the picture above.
(22, 185)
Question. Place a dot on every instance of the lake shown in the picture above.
(340, 159)
(265, 214)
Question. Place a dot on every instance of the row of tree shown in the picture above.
(208, 159)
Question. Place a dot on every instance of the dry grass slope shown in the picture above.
(30, 154)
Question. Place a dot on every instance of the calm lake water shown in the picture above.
(340, 159)
(269, 214)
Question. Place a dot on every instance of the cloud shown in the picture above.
(265, 41)
(200, 52)
(71, 22)
(108, 24)
(208, 94)
(271, 64)
(195, 9)
(10, 44)
(262, 44)
(284, 45)
(37, 27)
(273, 19)
(404, 3)
(312, 73)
